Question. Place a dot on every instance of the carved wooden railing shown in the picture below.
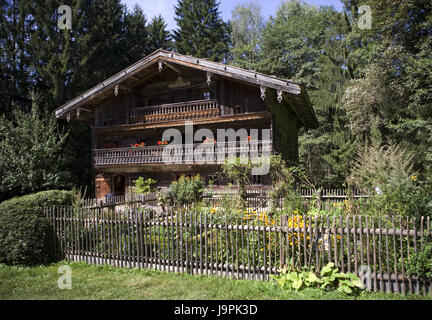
(207, 153)
(175, 111)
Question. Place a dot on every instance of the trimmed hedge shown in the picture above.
(50, 198)
(26, 236)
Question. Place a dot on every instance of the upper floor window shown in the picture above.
(206, 95)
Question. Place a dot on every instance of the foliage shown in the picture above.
(159, 36)
(186, 191)
(296, 280)
(105, 38)
(30, 154)
(143, 185)
(50, 198)
(26, 236)
(230, 201)
(420, 263)
(238, 169)
(201, 31)
(330, 279)
(333, 279)
(78, 196)
(388, 171)
(246, 25)
(282, 179)
(293, 202)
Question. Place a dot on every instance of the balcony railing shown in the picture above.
(197, 153)
(175, 111)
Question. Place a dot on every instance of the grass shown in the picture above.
(107, 282)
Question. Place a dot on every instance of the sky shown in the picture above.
(166, 7)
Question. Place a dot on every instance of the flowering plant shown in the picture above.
(138, 145)
(162, 142)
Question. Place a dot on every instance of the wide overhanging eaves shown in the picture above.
(259, 79)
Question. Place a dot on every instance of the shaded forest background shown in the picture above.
(366, 85)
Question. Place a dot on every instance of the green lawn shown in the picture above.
(106, 282)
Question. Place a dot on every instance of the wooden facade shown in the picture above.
(130, 112)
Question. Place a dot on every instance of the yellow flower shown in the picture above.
(414, 178)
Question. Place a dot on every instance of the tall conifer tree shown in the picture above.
(159, 36)
(201, 31)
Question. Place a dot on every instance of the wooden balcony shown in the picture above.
(178, 153)
(175, 111)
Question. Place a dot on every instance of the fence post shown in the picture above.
(283, 244)
(319, 199)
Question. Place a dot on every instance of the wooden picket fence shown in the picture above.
(259, 200)
(256, 198)
(246, 246)
(120, 200)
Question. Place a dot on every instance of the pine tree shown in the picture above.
(101, 43)
(201, 32)
(51, 53)
(15, 81)
(159, 36)
(136, 37)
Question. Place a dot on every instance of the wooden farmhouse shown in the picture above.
(130, 112)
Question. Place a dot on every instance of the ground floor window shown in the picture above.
(257, 180)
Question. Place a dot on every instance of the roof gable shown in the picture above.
(282, 86)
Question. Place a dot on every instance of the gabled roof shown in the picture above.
(292, 92)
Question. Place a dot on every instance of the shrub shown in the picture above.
(238, 169)
(387, 170)
(420, 263)
(25, 237)
(25, 233)
(143, 185)
(186, 191)
(50, 198)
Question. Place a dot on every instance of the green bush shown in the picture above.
(186, 191)
(143, 185)
(50, 198)
(25, 233)
(397, 189)
(420, 263)
(26, 237)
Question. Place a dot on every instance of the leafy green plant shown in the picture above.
(420, 263)
(239, 169)
(330, 279)
(296, 280)
(143, 185)
(282, 179)
(186, 191)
